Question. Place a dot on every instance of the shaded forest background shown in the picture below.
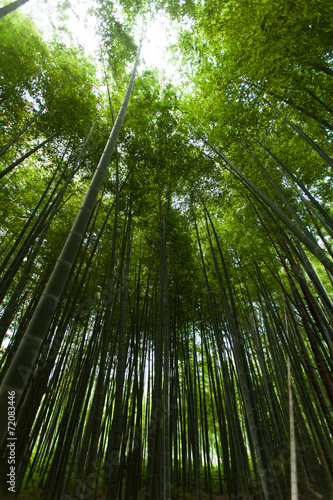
(166, 259)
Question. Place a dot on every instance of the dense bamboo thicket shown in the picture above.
(166, 269)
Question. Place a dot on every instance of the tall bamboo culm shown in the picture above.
(22, 365)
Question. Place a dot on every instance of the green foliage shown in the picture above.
(209, 260)
(36, 76)
(118, 44)
(69, 92)
(23, 54)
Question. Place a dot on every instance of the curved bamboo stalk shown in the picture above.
(311, 245)
(24, 360)
(317, 206)
(10, 307)
(304, 136)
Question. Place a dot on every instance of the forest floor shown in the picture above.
(186, 496)
(28, 495)
(102, 496)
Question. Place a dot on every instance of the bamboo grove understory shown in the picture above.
(166, 263)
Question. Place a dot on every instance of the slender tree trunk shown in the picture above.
(36, 115)
(293, 461)
(26, 155)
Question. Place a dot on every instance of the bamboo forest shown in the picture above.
(166, 270)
